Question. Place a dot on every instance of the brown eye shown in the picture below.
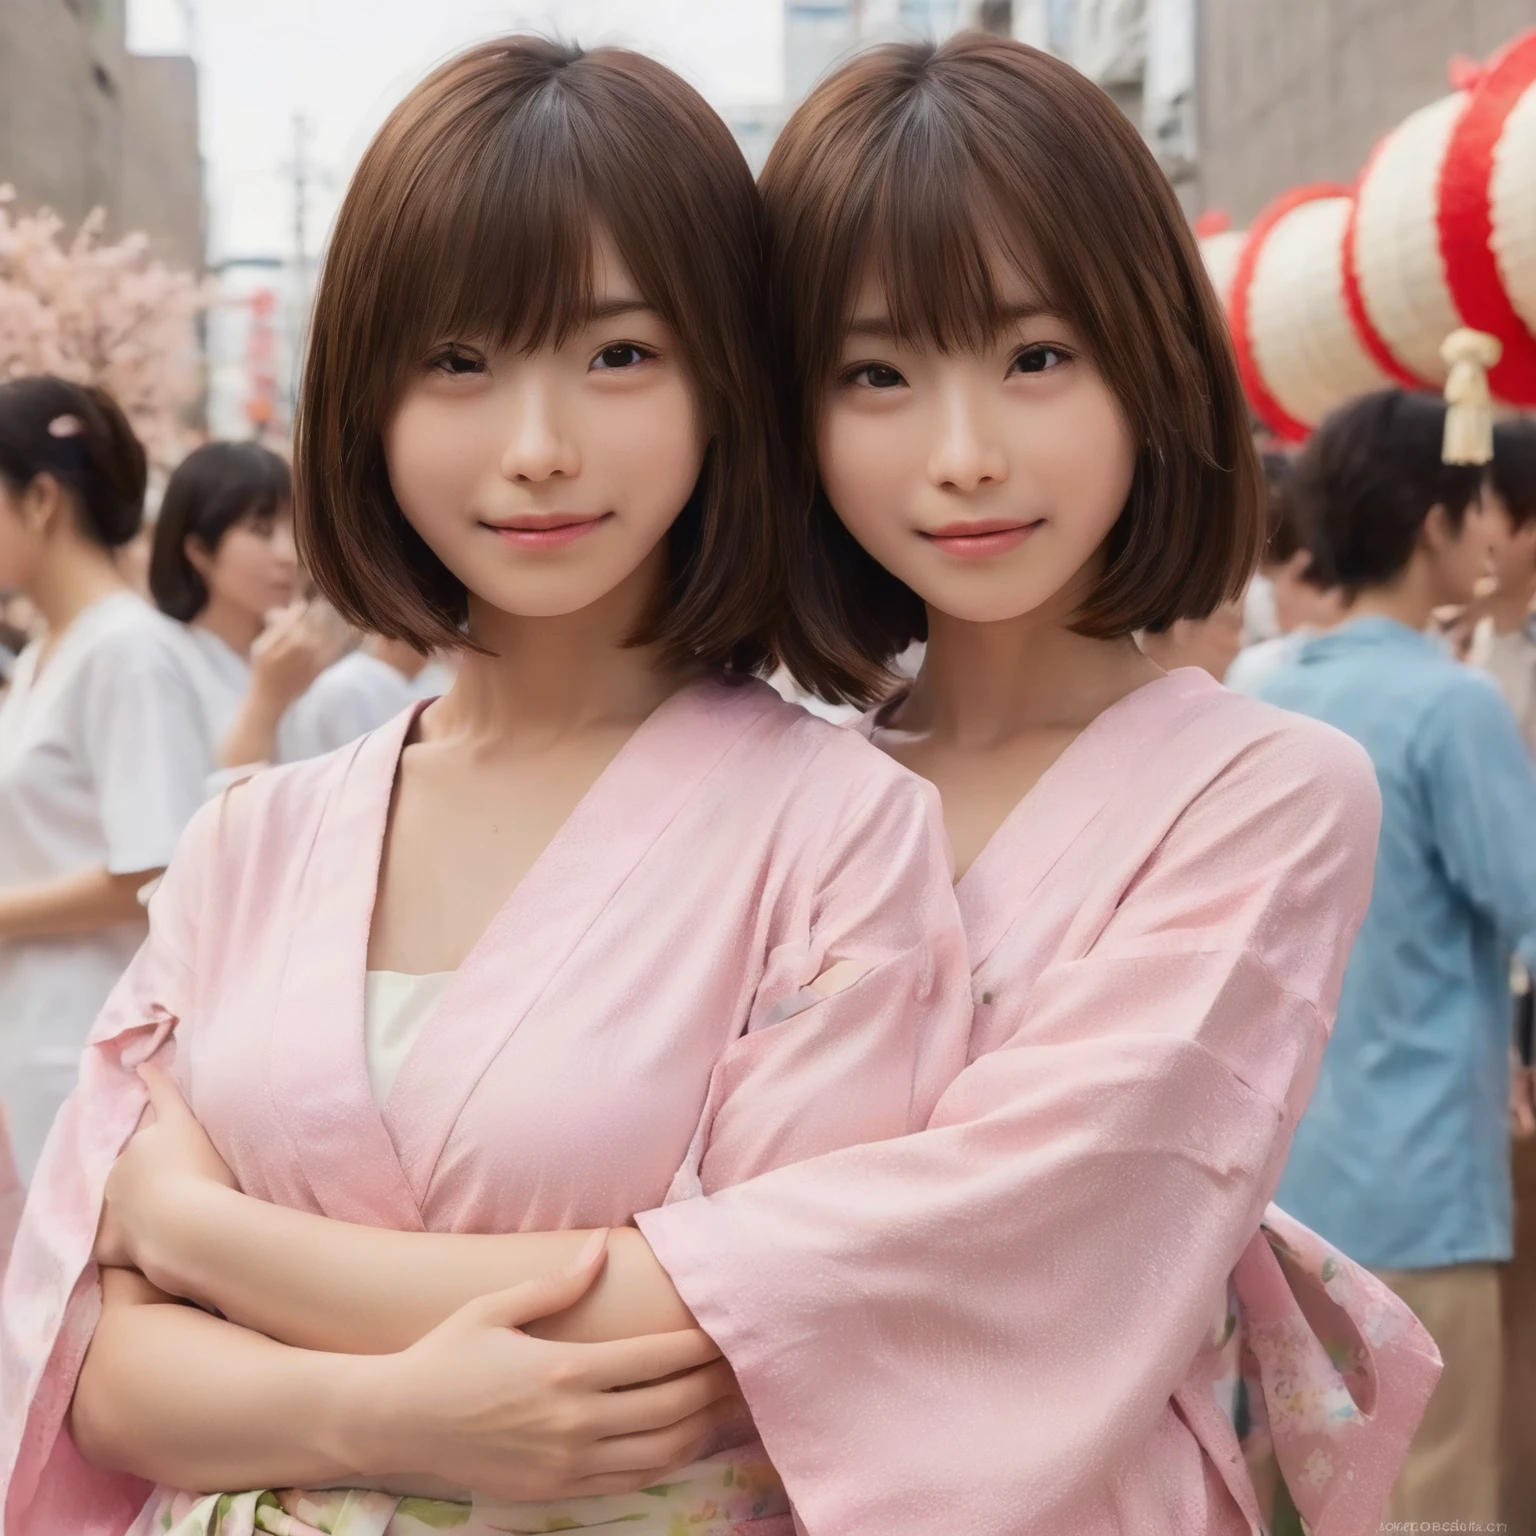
(876, 376)
(1039, 359)
(456, 362)
(624, 354)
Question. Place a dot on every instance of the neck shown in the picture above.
(73, 576)
(1510, 606)
(237, 627)
(543, 678)
(404, 658)
(1411, 598)
(982, 684)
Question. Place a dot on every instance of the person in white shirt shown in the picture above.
(276, 674)
(100, 742)
(359, 693)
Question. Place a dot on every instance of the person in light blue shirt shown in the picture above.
(1402, 1158)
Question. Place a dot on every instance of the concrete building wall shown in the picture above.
(1294, 91)
(85, 124)
(161, 188)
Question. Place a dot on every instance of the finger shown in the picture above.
(644, 1409)
(546, 1295)
(618, 1483)
(649, 1358)
(674, 1446)
(164, 1096)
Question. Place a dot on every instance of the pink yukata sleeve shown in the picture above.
(863, 1014)
(52, 1297)
(991, 1317)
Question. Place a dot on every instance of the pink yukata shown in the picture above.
(636, 1024)
(1017, 1322)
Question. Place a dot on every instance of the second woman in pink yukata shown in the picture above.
(1027, 441)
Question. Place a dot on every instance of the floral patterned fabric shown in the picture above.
(735, 1493)
(1314, 1381)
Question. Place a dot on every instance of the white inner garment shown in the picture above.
(395, 1008)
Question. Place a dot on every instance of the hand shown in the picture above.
(482, 1405)
(166, 1165)
(297, 645)
(1522, 1101)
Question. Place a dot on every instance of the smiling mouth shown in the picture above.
(548, 530)
(976, 540)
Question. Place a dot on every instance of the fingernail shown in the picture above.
(593, 1246)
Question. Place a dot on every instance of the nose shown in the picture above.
(284, 550)
(967, 453)
(538, 446)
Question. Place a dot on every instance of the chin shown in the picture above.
(982, 601)
(546, 600)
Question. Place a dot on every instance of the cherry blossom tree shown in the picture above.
(104, 313)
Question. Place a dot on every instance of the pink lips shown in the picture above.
(975, 541)
(547, 530)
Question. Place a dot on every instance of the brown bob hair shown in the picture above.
(920, 165)
(472, 215)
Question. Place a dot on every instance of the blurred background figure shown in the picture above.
(224, 566)
(1211, 644)
(278, 676)
(1295, 602)
(1402, 1158)
(101, 753)
(1504, 642)
(365, 688)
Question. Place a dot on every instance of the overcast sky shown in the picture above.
(344, 64)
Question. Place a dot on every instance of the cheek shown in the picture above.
(1087, 460)
(14, 550)
(870, 466)
(649, 449)
(434, 458)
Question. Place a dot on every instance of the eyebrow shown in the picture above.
(611, 309)
(878, 327)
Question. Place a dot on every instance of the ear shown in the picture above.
(199, 556)
(1436, 533)
(42, 504)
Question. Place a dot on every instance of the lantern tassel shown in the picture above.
(1469, 354)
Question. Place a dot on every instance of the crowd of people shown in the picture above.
(891, 1103)
(123, 710)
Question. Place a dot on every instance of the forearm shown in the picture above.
(252, 737)
(79, 903)
(173, 1395)
(367, 1290)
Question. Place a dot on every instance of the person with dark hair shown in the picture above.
(1298, 603)
(1212, 643)
(1504, 645)
(100, 751)
(1505, 642)
(607, 925)
(223, 564)
(1403, 1155)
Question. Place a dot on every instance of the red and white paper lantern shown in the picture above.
(1487, 216)
(1297, 346)
(1444, 229)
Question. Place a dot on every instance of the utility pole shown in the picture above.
(299, 176)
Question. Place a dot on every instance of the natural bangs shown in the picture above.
(494, 237)
(938, 239)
